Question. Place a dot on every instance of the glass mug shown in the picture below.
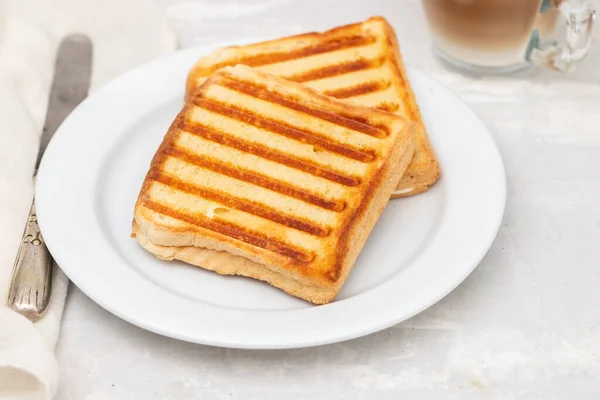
(501, 36)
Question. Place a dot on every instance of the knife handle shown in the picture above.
(31, 283)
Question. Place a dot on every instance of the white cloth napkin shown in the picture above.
(125, 33)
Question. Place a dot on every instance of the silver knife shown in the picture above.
(31, 283)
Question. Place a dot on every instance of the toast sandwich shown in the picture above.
(265, 178)
(359, 62)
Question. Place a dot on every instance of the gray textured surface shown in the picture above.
(524, 325)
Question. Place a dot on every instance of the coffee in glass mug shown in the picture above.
(508, 35)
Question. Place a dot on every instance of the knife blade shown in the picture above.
(31, 283)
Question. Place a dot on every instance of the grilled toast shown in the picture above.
(359, 62)
(262, 177)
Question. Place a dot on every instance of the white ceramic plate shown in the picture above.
(421, 248)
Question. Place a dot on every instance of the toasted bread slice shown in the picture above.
(262, 177)
(359, 62)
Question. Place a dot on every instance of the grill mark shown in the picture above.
(245, 205)
(363, 88)
(335, 70)
(231, 230)
(320, 48)
(389, 107)
(254, 178)
(261, 92)
(284, 129)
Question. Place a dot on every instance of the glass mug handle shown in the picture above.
(579, 17)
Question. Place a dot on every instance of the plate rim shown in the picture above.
(44, 190)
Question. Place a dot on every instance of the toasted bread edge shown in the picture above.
(419, 178)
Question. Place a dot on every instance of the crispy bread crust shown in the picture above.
(280, 259)
(423, 171)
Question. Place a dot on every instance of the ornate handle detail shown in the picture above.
(579, 17)
(31, 283)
